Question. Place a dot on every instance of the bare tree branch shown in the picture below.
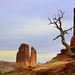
(54, 22)
(68, 29)
(57, 20)
(56, 37)
(61, 14)
(58, 24)
(50, 21)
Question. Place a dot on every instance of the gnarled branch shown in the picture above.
(57, 20)
(61, 14)
(68, 29)
(58, 24)
(50, 21)
(56, 37)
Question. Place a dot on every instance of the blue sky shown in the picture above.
(26, 21)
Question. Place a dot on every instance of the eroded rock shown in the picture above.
(23, 58)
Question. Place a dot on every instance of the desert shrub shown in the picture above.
(4, 74)
(0, 73)
(55, 59)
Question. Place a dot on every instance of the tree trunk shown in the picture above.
(58, 24)
(65, 44)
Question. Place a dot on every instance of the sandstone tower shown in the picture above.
(23, 58)
(33, 57)
(72, 43)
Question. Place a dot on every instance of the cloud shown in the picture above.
(33, 28)
(45, 57)
(8, 55)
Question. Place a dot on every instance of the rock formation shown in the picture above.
(72, 43)
(33, 57)
(57, 68)
(23, 59)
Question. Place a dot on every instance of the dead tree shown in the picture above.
(56, 21)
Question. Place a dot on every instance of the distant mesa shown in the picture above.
(24, 59)
(4, 64)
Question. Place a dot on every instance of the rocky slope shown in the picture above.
(50, 68)
(56, 68)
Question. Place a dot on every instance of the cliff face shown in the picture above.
(72, 43)
(23, 58)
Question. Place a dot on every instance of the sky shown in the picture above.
(26, 21)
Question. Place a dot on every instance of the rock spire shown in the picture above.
(23, 58)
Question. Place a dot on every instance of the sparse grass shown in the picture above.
(55, 59)
(18, 73)
(7, 69)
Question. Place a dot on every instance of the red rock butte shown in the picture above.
(72, 43)
(23, 58)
